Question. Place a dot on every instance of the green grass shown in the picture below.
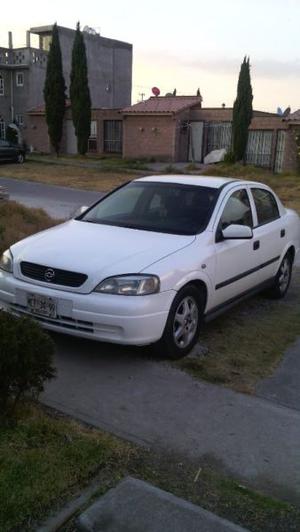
(247, 343)
(43, 460)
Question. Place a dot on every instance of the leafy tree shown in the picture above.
(174, 92)
(198, 92)
(242, 112)
(80, 93)
(54, 92)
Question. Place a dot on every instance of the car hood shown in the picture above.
(98, 251)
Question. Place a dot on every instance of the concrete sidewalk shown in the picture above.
(153, 404)
(136, 506)
(283, 386)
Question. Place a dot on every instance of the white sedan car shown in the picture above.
(149, 261)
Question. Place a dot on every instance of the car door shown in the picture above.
(236, 261)
(270, 231)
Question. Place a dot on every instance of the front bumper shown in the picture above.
(131, 320)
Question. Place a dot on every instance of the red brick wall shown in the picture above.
(290, 159)
(149, 136)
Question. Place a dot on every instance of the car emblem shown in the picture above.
(49, 275)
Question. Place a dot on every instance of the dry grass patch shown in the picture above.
(247, 343)
(67, 175)
(17, 222)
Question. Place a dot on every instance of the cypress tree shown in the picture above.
(242, 112)
(54, 92)
(80, 93)
(174, 92)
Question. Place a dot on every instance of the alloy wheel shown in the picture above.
(185, 322)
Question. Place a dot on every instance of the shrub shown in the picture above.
(26, 361)
(229, 158)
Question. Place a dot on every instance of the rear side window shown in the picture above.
(266, 206)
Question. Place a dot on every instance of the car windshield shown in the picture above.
(160, 207)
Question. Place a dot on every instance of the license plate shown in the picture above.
(41, 305)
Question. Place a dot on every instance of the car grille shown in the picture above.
(50, 275)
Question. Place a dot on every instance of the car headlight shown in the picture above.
(6, 261)
(130, 285)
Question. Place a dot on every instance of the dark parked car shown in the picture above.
(11, 152)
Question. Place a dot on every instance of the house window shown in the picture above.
(19, 79)
(113, 136)
(19, 120)
(1, 85)
(92, 143)
(2, 129)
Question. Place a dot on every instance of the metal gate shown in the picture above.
(218, 136)
(259, 148)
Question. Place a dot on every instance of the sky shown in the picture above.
(188, 44)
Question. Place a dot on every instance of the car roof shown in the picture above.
(198, 180)
(203, 181)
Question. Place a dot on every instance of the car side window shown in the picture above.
(237, 210)
(266, 205)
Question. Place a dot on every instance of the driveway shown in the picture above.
(58, 202)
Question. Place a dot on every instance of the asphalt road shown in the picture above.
(58, 202)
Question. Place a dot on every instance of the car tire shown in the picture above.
(20, 158)
(183, 324)
(282, 279)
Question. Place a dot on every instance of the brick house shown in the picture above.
(180, 129)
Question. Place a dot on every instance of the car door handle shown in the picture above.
(282, 233)
(256, 245)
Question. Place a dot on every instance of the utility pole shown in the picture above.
(142, 95)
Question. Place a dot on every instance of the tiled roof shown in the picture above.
(163, 104)
(40, 109)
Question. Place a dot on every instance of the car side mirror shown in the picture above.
(80, 211)
(237, 232)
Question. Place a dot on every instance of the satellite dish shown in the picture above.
(155, 91)
(286, 112)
